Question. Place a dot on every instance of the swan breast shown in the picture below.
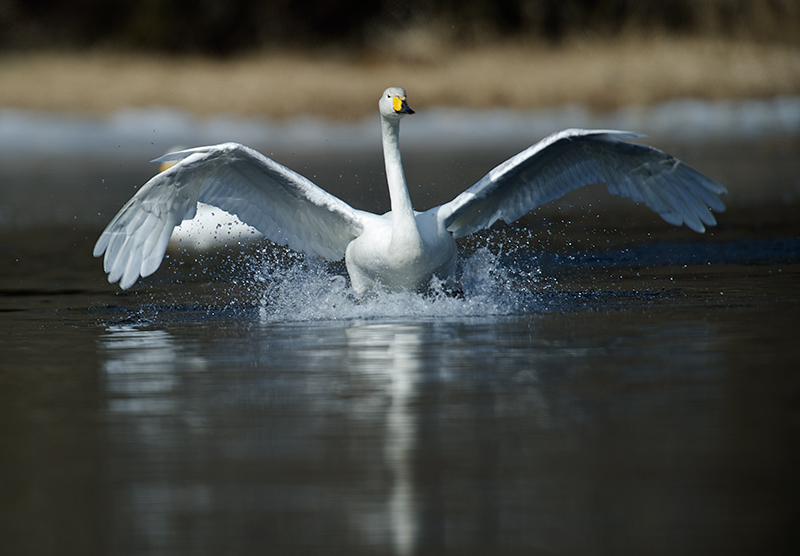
(374, 259)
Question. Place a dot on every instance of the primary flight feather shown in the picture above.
(402, 249)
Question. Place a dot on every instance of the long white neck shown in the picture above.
(404, 226)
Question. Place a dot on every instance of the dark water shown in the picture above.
(606, 385)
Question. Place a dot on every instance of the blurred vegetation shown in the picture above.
(234, 26)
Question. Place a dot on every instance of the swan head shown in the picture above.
(393, 104)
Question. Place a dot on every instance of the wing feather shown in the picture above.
(281, 204)
(573, 158)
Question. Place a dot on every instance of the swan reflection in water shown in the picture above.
(392, 353)
(152, 380)
(406, 435)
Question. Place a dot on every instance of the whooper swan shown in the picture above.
(402, 249)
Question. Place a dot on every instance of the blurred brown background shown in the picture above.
(277, 57)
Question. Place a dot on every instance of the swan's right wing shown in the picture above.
(573, 158)
(281, 204)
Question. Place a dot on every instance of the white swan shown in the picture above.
(402, 249)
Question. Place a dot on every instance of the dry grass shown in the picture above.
(599, 75)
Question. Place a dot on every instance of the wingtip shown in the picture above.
(181, 154)
(124, 282)
(617, 133)
(99, 249)
(696, 226)
(127, 282)
(170, 157)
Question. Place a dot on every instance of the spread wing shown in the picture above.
(573, 158)
(281, 204)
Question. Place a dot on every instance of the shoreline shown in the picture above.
(144, 133)
(599, 76)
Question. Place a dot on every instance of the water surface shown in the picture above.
(606, 384)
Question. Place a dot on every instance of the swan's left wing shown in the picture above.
(281, 204)
(573, 158)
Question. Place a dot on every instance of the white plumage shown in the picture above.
(402, 249)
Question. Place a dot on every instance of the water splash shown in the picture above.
(290, 287)
(501, 272)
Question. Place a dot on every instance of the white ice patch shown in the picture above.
(142, 134)
(212, 227)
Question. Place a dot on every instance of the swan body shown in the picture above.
(402, 249)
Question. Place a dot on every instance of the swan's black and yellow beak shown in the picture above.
(401, 106)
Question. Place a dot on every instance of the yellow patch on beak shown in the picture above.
(397, 102)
